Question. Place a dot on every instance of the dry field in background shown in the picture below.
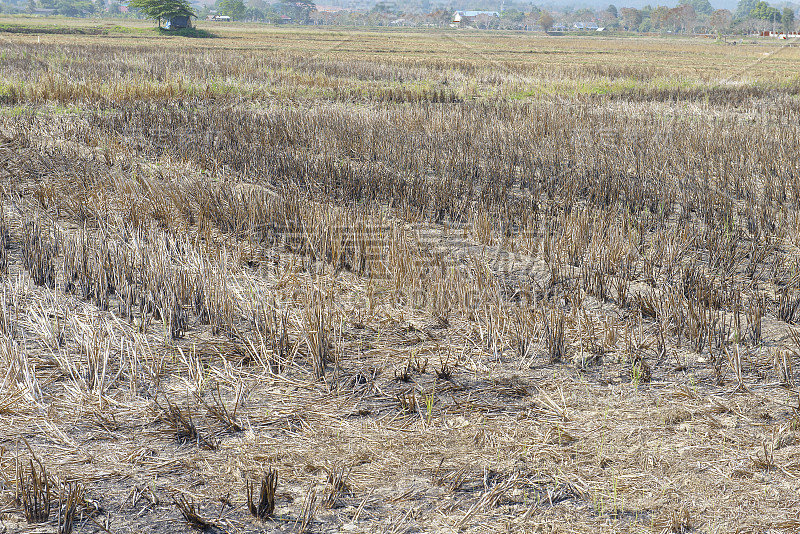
(328, 280)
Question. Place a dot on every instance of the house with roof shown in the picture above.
(465, 18)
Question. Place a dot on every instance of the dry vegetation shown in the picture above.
(315, 281)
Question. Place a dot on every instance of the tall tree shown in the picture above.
(74, 8)
(546, 21)
(764, 11)
(659, 17)
(682, 17)
(787, 18)
(702, 7)
(631, 17)
(744, 7)
(159, 10)
(235, 9)
(512, 15)
(299, 10)
(720, 20)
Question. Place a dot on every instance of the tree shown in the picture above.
(583, 15)
(702, 7)
(605, 19)
(682, 17)
(787, 17)
(764, 11)
(321, 17)
(512, 15)
(530, 21)
(744, 7)
(612, 10)
(298, 9)
(631, 18)
(659, 17)
(74, 8)
(720, 20)
(383, 7)
(159, 10)
(546, 21)
(441, 17)
(486, 22)
(233, 8)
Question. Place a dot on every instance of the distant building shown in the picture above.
(780, 35)
(468, 17)
(220, 18)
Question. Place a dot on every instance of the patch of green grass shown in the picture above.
(23, 28)
(26, 109)
(606, 87)
(10, 94)
(125, 29)
(196, 33)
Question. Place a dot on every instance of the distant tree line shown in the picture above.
(688, 16)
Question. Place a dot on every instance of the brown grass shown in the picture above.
(466, 290)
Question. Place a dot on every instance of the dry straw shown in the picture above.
(436, 294)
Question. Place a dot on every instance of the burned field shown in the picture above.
(305, 281)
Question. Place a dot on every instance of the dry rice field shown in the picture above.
(314, 280)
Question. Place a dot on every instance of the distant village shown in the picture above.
(688, 16)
